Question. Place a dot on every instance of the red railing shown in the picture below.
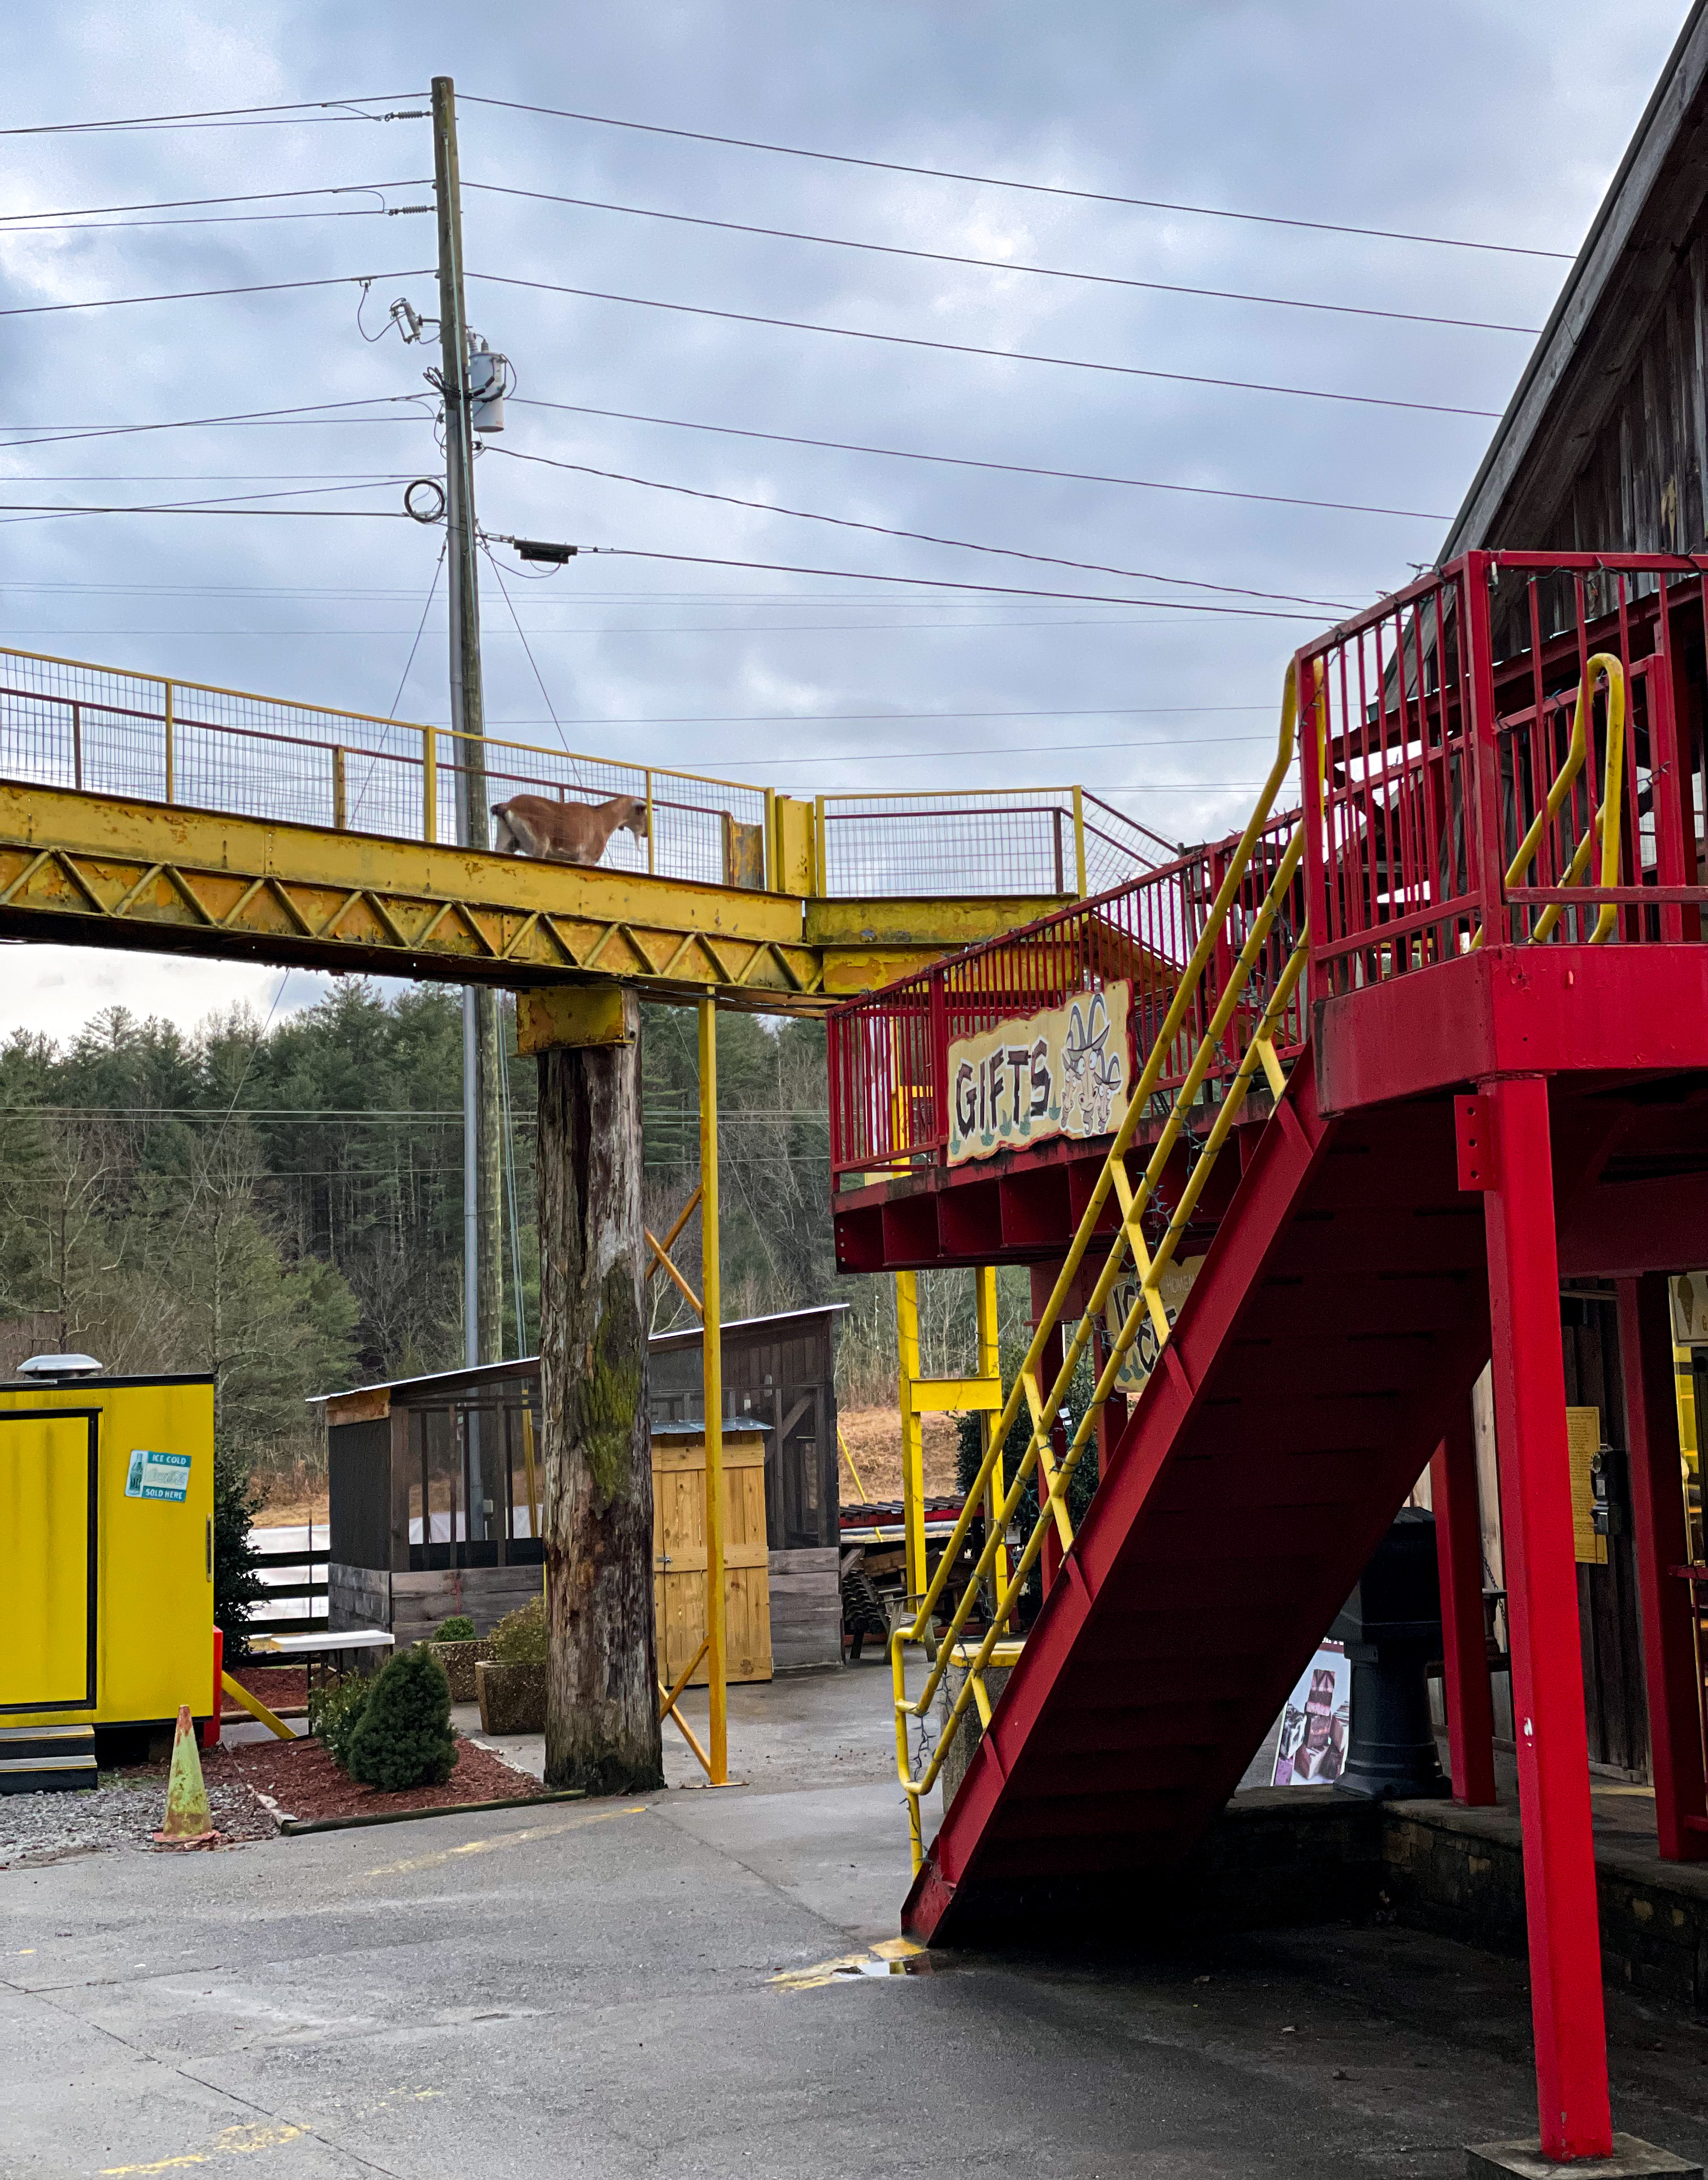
(1430, 729)
(889, 1054)
(1441, 718)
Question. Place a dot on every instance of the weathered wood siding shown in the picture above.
(1641, 483)
(421, 1599)
(357, 1597)
(805, 1609)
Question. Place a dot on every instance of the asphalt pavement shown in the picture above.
(695, 1983)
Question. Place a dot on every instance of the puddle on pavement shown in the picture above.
(893, 1956)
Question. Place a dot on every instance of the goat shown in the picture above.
(565, 832)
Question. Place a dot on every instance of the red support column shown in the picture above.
(1464, 1644)
(1530, 1388)
(1662, 1541)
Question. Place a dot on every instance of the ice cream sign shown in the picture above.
(1065, 1071)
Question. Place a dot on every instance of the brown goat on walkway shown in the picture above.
(565, 832)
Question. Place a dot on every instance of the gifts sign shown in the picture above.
(1066, 1070)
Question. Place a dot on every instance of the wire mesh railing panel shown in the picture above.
(1117, 847)
(711, 831)
(937, 845)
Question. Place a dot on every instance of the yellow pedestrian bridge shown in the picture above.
(141, 811)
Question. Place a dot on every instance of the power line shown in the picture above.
(21, 220)
(1033, 189)
(920, 537)
(214, 219)
(201, 476)
(50, 435)
(939, 347)
(202, 294)
(304, 109)
(1008, 265)
(931, 582)
(967, 462)
(23, 509)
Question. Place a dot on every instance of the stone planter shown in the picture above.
(511, 1697)
(459, 1660)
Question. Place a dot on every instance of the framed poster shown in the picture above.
(1310, 1747)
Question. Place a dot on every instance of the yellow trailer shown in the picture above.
(106, 1567)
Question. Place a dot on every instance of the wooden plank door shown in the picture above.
(679, 1556)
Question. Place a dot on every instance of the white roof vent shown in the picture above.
(60, 1366)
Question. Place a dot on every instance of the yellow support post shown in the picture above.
(171, 751)
(1079, 843)
(711, 1354)
(255, 1707)
(990, 1369)
(429, 783)
(912, 1441)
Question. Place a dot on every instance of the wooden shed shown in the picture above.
(437, 1483)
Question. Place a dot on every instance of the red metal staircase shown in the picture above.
(1495, 1075)
(1337, 1325)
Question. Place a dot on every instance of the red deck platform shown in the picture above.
(1500, 1075)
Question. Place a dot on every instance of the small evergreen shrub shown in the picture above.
(458, 1628)
(335, 1712)
(404, 1737)
(519, 1637)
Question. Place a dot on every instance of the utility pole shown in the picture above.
(482, 1206)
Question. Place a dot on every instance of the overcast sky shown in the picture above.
(1488, 123)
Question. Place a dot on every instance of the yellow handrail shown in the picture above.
(1604, 664)
(1128, 1240)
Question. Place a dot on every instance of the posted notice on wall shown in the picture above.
(1310, 1747)
(1066, 1070)
(156, 1475)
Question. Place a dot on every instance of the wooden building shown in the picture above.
(1604, 449)
(437, 1483)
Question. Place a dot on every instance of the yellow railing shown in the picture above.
(70, 723)
(1604, 665)
(1129, 1242)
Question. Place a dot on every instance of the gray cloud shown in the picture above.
(1494, 122)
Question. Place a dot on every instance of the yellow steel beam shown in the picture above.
(105, 870)
(959, 1396)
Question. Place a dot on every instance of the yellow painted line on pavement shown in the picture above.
(505, 1839)
(234, 2142)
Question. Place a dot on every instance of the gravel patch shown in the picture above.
(120, 1815)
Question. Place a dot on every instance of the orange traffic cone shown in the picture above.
(188, 1821)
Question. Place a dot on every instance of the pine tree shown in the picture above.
(405, 1738)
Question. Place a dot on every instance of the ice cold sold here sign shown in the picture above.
(1065, 1071)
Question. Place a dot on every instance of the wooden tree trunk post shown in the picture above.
(601, 1702)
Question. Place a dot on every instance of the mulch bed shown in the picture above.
(280, 1687)
(305, 1782)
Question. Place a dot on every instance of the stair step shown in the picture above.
(17, 1741)
(46, 1775)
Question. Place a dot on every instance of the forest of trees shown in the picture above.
(282, 1204)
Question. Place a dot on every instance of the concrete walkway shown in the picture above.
(593, 1989)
